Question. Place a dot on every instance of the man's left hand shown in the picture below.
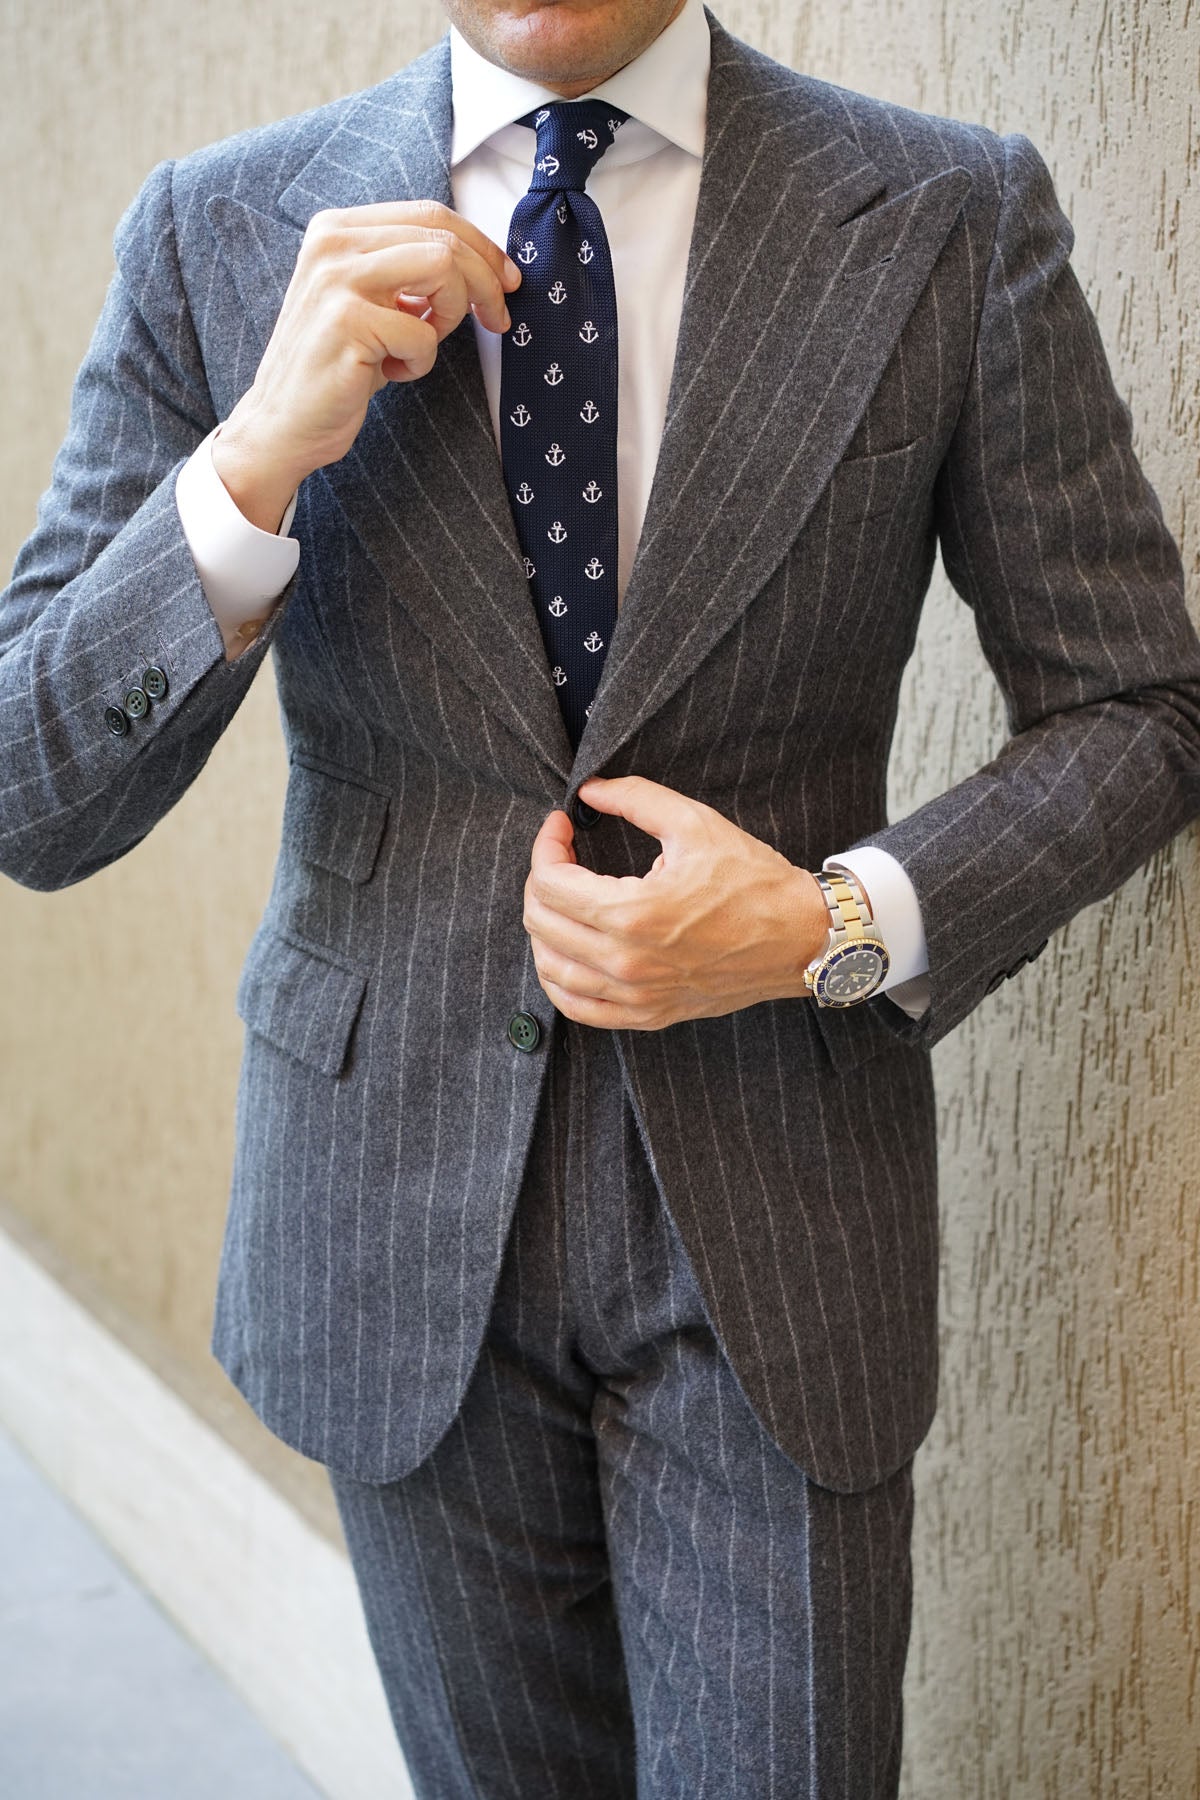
(719, 922)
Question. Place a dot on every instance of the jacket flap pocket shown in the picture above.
(300, 999)
(851, 1034)
(333, 820)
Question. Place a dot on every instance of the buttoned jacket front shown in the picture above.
(882, 347)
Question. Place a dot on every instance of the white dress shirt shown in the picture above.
(646, 187)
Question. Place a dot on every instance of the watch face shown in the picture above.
(851, 973)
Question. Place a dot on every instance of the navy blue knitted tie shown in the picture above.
(558, 400)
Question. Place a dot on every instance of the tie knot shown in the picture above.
(572, 136)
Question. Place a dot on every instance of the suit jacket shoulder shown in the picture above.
(906, 147)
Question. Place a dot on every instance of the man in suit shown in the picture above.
(583, 1216)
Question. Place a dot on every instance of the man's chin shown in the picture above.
(557, 45)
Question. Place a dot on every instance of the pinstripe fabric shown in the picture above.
(606, 1579)
(881, 344)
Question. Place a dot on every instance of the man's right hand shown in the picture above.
(374, 291)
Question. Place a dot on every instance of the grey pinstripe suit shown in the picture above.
(882, 346)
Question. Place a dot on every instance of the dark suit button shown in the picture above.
(997, 978)
(116, 721)
(524, 1032)
(137, 705)
(585, 816)
(155, 682)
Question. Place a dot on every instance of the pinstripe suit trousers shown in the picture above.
(606, 1580)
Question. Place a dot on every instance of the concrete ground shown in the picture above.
(101, 1697)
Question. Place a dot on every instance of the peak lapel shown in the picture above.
(422, 487)
(795, 297)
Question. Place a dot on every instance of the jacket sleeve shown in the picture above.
(106, 588)
(1051, 533)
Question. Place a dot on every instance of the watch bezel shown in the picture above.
(836, 955)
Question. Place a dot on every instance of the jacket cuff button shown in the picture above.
(154, 681)
(116, 721)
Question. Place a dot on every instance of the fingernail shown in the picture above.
(507, 320)
(511, 269)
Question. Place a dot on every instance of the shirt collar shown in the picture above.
(665, 88)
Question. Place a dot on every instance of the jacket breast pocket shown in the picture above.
(300, 998)
(864, 487)
(334, 819)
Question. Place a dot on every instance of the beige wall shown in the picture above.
(1057, 1642)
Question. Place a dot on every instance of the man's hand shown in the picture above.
(721, 920)
(374, 291)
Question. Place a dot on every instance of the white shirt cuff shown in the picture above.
(242, 570)
(897, 912)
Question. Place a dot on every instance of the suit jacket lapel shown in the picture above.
(422, 486)
(795, 297)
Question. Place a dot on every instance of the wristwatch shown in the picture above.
(855, 961)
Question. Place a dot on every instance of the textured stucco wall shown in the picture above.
(1057, 1645)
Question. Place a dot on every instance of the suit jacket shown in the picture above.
(882, 348)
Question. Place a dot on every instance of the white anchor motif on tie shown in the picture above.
(588, 332)
(557, 532)
(614, 125)
(555, 455)
(589, 138)
(557, 606)
(593, 642)
(522, 335)
(547, 165)
(585, 252)
(587, 712)
(560, 212)
(528, 252)
(560, 677)
(592, 493)
(553, 375)
(594, 570)
(557, 294)
(541, 117)
(524, 493)
(522, 415)
(530, 571)
(589, 412)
